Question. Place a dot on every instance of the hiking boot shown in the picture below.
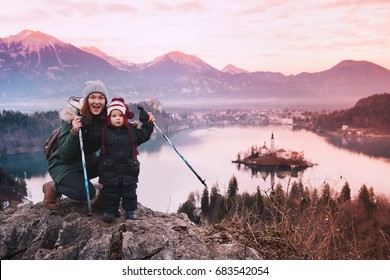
(131, 215)
(50, 196)
(98, 203)
(108, 218)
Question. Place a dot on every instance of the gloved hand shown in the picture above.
(84, 119)
(143, 115)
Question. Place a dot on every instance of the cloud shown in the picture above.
(189, 6)
(269, 33)
(120, 8)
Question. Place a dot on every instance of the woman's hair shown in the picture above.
(87, 113)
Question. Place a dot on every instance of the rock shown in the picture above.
(33, 232)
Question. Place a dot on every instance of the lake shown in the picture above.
(165, 181)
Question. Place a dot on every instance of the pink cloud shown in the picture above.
(120, 8)
(352, 3)
(190, 6)
(184, 7)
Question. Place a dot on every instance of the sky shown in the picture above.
(289, 37)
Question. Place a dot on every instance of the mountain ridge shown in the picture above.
(34, 64)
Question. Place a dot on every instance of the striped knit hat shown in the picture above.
(119, 104)
(116, 105)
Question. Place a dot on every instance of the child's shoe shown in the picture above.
(131, 215)
(108, 218)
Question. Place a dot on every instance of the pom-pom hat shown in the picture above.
(119, 104)
(116, 105)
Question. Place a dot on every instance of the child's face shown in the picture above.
(116, 118)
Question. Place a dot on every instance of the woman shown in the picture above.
(65, 165)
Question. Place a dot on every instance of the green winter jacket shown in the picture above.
(67, 157)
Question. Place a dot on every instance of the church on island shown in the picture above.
(279, 153)
(271, 156)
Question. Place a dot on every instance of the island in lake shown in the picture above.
(271, 157)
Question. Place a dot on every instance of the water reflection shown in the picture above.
(264, 172)
(14, 169)
(26, 165)
(371, 146)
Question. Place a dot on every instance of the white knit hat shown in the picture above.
(116, 105)
(94, 86)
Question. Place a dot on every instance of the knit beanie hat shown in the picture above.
(116, 105)
(119, 104)
(94, 86)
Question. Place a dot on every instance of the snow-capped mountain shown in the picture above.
(28, 40)
(39, 65)
(29, 50)
(182, 60)
(233, 69)
(34, 66)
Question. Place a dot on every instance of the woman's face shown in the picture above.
(96, 103)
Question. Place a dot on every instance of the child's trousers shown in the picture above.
(113, 194)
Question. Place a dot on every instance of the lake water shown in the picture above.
(165, 181)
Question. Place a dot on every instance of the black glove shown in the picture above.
(143, 115)
(84, 119)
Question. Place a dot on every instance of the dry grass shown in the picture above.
(317, 231)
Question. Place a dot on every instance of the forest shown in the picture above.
(20, 132)
(11, 189)
(370, 113)
(299, 223)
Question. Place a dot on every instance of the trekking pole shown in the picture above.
(74, 102)
(85, 172)
(173, 146)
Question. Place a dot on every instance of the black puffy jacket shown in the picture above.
(118, 164)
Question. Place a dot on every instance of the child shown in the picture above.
(118, 165)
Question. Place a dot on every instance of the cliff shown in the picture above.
(32, 232)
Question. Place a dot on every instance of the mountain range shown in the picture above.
(36, 66)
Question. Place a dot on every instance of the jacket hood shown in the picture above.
(68, 113)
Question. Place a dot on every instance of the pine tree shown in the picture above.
(259, 201)
(345, 194)
(204, 203)
(188, 208)
(232, 192)
(325, 195)
(232, 188)
(295, 192)
(367, 198)
(215, 204)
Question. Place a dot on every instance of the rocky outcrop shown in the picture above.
(34, 233)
